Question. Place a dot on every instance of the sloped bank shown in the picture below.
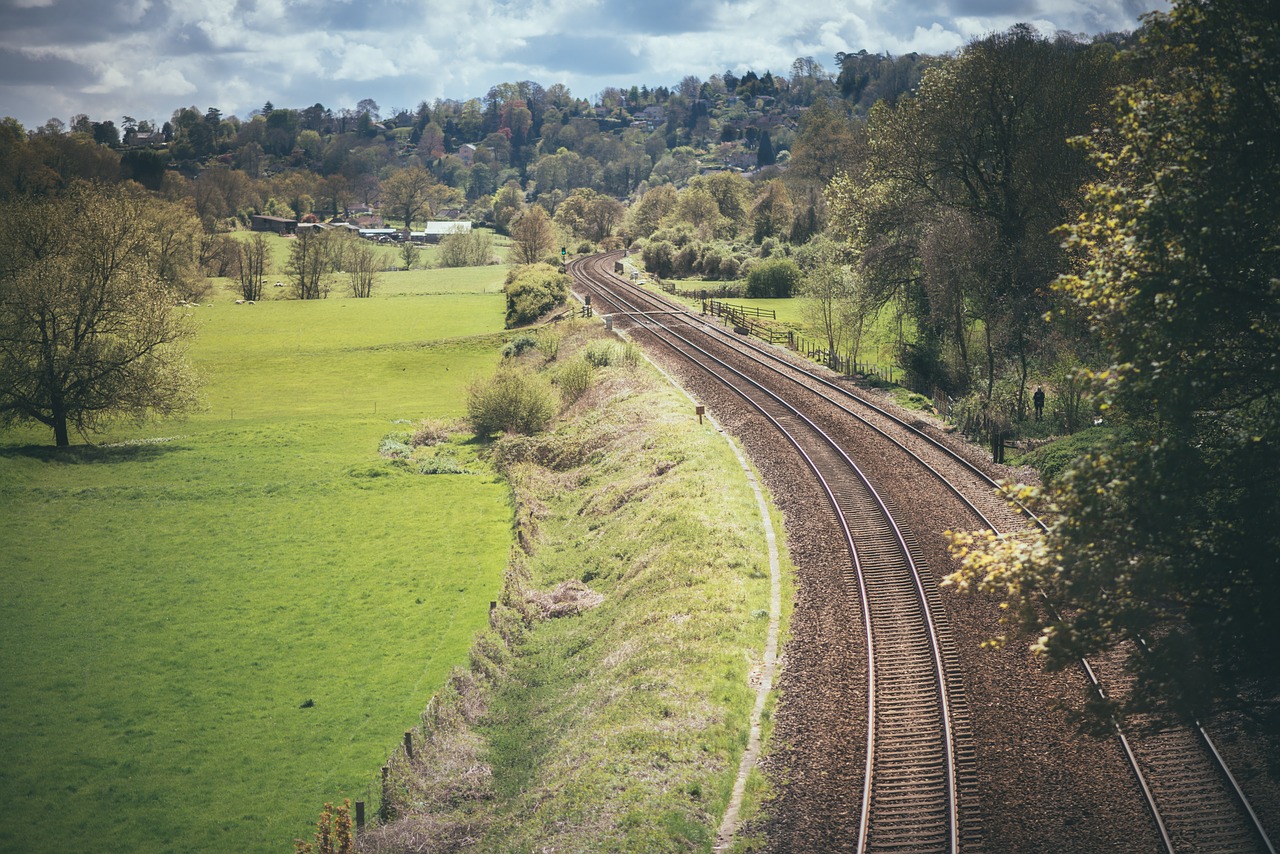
(608, 704)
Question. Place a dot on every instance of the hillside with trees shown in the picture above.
(1089, 215)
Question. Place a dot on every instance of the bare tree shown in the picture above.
(253, 259)
(532, 235)
(361, 269)
(309, 263)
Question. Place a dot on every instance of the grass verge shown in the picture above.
(608, 704)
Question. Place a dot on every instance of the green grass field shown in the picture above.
(175, 595)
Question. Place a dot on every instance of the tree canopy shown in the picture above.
(89, 328)
(1172, 531)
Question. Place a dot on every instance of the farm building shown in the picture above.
(437, 230)
(278, 224)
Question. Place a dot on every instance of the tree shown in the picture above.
(253, 260)
(830, 300)
(772, 213)
(469, 249)
(698, 207)
(646, 215)
(765, 155)
(532, 235)
(982, 149)
(826, 145)
(1172, 531)
(407, 192)
(589, 214)
(175, 250)
(361, 265)
(508, 203)
(773, 278)
(409, 254)
(88, 329)
(732, 193)
(309, 263)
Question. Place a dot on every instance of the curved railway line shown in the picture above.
(919, 780)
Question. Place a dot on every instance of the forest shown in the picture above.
(1093, 216)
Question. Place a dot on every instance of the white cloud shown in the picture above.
(236, 54)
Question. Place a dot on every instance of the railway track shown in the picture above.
(910, 791)
(1193, 799)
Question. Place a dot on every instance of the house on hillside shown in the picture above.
(278, 224)
(467, 153)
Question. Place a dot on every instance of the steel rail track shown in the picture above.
(910, 794)
(1195, 801)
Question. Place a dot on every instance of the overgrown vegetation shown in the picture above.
(606, 706)
(1171, 530)
(532, 291)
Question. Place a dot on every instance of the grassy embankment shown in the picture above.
(175, 596)
(618, 728)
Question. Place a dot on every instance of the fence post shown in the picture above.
(384, 809)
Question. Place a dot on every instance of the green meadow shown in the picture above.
(211, 627)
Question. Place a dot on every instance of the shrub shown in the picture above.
(659, 258)
(630, 355)
(518, 346)
(685, 261)
(574, 378)
(600, 354)
(711, 264)
(773, 278)
(441, 464)
(532, 291)
(429, 432)
(512, 401)
(472, 249)
(549, 344)
(395, 446)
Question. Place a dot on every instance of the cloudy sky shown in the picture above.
(145, 58)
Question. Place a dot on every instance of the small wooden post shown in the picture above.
(408, 743)
(700, 411)
(383, 810)
(359, 815)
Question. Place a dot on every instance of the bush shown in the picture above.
(659, 258)
(532, 291)
(441, 464)
(472, 249)
(512, 401)
(600, 354)
(429, 432)
(685, 261)
(773, 278)
(574, 378)
(395, 446)
(518, 346)
(549, 344)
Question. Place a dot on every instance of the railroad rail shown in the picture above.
(910, 792)
(1192, 796)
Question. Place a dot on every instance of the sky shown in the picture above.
(146, 58)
